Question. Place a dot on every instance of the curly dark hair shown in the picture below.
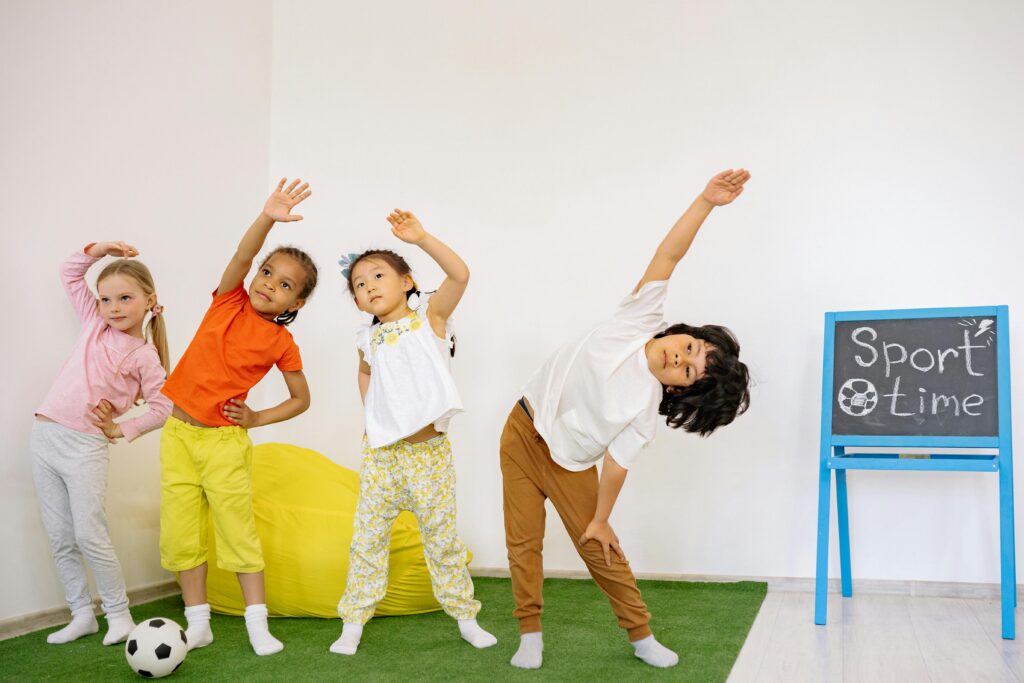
(304, 260)
(718, 397)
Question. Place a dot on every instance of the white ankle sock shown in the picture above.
(83, 623)
(530, 654)
(348, 643)
(474, 635)
(654, 653)
(259, 633)
(198, 632)
(119, 627)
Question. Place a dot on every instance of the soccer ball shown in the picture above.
(857, 397)
(156, 648)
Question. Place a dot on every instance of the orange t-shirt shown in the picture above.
(233, 349)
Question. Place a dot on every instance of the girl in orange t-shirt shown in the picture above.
(205, 451)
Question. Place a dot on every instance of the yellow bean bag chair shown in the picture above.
(305, 505)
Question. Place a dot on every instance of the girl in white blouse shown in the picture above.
(409, 396)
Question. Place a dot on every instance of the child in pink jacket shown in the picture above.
(111, 366)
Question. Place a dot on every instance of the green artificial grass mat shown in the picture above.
(706, 623)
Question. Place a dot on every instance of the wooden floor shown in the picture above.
(875, 638)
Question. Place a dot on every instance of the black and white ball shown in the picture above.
(857, 397)
(156, 648)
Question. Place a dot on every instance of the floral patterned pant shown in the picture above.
(418, 477)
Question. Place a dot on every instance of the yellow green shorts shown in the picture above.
(204, 469)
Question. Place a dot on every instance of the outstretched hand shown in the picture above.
(406, 226)
(726, 186)
(602, 533)
(281, 201)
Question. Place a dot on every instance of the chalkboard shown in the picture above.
(916, 377)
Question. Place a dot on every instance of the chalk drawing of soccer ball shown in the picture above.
(156, 648)
(858, 397)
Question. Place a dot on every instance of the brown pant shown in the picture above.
(529, 475)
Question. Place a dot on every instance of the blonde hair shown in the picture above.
(156, 330)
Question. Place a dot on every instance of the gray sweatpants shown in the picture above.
(70, 471)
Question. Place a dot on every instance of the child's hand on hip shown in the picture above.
(103, 417)
(240, 414)
(602, 533)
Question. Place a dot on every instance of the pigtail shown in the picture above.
(286, 318)
(156, 330)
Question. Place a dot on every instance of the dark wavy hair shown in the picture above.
(718, 397)
(304, 260)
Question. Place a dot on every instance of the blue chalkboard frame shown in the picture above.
(834, 458)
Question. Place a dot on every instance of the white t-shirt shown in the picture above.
(597, 393)
(411, 383)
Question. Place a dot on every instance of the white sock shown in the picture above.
(119, 627)
(198, 633)
(530, 654)
(83, 623)
(348, 643)
(654, 653)
(259, 633)
(474, 635)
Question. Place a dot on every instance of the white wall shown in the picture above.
(553, 144)
(147, 122)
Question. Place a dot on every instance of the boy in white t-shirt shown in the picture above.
(598, 398)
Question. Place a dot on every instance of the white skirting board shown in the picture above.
(26, 623)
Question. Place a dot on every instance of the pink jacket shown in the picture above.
(105, 363)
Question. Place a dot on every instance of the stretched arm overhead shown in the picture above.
(277, 208)
(720, 190)
(408, 228)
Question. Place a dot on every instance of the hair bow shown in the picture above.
(346, 262)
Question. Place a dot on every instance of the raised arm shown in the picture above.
(408, 228)
(720, 190)
(277, 209)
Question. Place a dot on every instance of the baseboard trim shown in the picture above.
(781, 584)
(26, 623)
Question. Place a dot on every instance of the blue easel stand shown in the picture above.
(834, 458)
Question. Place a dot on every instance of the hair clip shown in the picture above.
(346, 262)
